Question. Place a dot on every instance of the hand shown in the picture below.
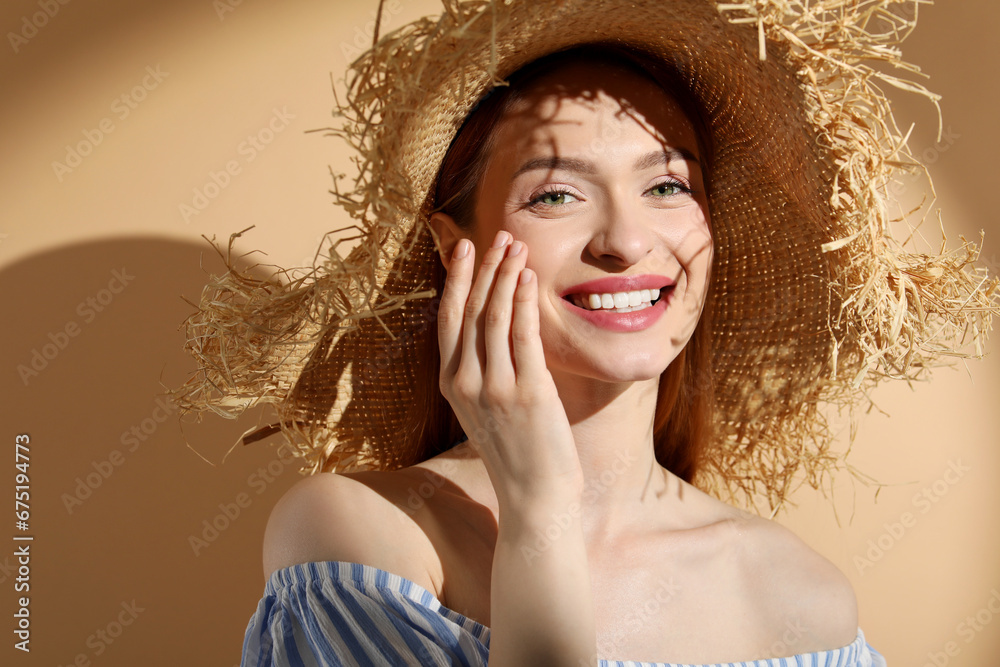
(493, 374)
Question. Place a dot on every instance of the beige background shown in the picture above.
(227, 72)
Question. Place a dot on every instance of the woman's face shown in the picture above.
(596, 171)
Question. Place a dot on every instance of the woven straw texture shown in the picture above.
(814, 301)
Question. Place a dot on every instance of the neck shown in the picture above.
(613, 429)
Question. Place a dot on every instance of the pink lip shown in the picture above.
(613, 284)
(636, 320)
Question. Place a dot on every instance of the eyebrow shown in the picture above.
(647, 161)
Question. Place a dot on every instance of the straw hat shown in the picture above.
(814, 300)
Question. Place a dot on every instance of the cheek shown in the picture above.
(693, 246)
(546, 250)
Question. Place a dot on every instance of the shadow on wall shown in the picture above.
(140, 546)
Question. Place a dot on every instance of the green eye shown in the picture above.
(552, 198)
(669, 189)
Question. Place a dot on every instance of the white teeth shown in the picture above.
(617, 301)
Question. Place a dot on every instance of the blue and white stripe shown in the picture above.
(333, 613)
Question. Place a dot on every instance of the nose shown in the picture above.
(621, 235)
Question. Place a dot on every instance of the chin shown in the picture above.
(614, 367)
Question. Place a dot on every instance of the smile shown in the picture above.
(618, 302)
(626, 318)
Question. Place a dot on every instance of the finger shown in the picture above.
(451, 310)
(473, 342)
(499, 365)
(529, 357)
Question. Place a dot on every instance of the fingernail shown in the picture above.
(461, 249)
(501, 239)
(515, 249)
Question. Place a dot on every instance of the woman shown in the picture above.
(566, 393)
(612, 223)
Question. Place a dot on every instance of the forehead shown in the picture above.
(580, 100)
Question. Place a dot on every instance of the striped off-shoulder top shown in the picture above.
(338, 613)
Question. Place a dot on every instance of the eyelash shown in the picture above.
(555, 192)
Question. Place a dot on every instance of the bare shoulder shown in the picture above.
(345, 517)
(802, 593)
